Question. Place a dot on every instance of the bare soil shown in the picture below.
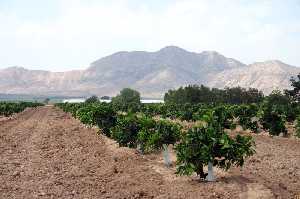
(45, 153)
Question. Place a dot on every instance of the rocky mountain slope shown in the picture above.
(265, 76)
(152, 73)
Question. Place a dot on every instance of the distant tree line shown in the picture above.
(294, 93)
(201, 94)
(195, 94)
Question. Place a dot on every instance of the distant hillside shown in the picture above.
(152, 73)
(265, 76)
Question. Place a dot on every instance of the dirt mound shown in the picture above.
(44, 153)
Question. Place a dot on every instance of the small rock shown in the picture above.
(103, 191)
(42, 193)
(115, 170)
(16, 173)
(76, 128)
(282, 186)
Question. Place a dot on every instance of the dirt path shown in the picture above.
(44, 153)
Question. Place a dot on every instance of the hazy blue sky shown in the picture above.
(61, 35)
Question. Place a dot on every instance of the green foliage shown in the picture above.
(161, 132)
(146, 131)
(9, 108)
(125, 132)
(294, 93)
(185, 111)
(282, 104)
(195, 94)
(100, 114)
(169, 132)
(202, 144)
(238, 95)
(131, 123)
(147, 138)
(298, 126)
(276, 124)
(223, 116)
(70, 107)
(85, 115)
(105, 118)
(274, 111)
(105, 97)
(92, 99)
(127, 100)
(133, 129)
(209, 143)
(247, 115)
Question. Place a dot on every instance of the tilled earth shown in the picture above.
(44, 153)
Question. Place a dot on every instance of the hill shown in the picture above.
(152, 73)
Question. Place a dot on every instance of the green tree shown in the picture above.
(295, 91)
(298, 126)
(125, 132)
(105, 97)
(208, 144)
(247, 115)
(92, 99)
(159, 136)
(275, 109)
(127, 100)
(195, 94)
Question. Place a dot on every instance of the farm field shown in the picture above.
(45, 153)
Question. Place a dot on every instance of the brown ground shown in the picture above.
(44, 153)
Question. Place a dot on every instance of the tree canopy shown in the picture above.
(92, 99)
(201, 94)
(295, 91)
(128, 99)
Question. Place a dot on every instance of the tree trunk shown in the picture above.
(140, 148)
(210, 176)
(200, 172)
(166, 155)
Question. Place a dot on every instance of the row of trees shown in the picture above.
(132, 124)
(128, 99)
(9, 108)
(195, 94)
(192, 94)
(204, 144)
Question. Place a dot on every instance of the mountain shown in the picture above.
(152, 73)
(265, 76)
(18, 80)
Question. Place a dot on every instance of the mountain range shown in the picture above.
(151, 73)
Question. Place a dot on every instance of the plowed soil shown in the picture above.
(45, 153)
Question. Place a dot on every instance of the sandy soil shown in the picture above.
(44, 153)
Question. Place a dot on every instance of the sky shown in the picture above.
(60, 35)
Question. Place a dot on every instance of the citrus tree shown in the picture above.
(159, 136)
(9, 108)
(92, 99)
(274, 112)
(127, 100)
(146, 131)
(207, 144)
(126, 130)
(298, 126)
(85, 115)
(104, 117)
(247, 115)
